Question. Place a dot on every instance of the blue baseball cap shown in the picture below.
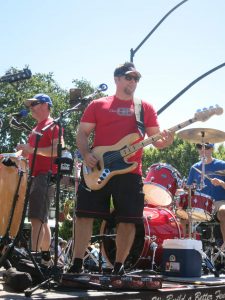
(43, 98)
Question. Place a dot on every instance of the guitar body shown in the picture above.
(111, 163)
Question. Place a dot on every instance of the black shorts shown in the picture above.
(41, 195)
(124, 191)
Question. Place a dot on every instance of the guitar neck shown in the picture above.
(133, 148)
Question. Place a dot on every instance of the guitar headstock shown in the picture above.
(206, 113)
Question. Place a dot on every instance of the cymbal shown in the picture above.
(199, 135)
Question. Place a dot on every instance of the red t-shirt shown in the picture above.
(115, 119)
(43, 163)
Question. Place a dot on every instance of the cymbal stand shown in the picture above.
(203, 159)
(189, 212)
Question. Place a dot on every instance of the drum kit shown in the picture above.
(168, 205)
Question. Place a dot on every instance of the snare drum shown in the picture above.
(13, 182)
(160, 184)
(201, 207)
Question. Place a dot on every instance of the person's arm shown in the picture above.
(218, 182)
(83, 133)
(44, 151)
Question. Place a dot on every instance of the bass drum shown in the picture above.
(159, 224)
(12, 192)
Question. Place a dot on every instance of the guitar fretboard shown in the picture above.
(133, 148)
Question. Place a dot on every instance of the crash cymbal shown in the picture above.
(199, 135)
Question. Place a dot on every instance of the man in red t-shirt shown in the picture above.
(42, 190)
(112, 119)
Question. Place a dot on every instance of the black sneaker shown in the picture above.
(75, 270)
(118, 269)
(77, 266)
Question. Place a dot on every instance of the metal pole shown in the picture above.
(133, 51)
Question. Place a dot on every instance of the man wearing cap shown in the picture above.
(211, 184)
(111, 119)
(42, 190)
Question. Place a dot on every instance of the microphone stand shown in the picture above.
(55, 272)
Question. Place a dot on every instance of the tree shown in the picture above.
(180, 155)
(12, 100)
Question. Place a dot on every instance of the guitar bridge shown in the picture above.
(103, 176)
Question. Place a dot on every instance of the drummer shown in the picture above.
(212, 185)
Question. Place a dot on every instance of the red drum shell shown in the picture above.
(159, 224)
(160, 184)
(201, 207)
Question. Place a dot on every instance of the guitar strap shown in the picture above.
(139, 114)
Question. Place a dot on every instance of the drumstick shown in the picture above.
(199, 171)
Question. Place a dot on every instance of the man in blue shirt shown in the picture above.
(211, 184)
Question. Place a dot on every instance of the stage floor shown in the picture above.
(203, 288)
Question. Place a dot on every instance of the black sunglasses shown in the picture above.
(35, 103)
(130, 77)
(199, 147)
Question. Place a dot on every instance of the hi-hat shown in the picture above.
(199, 135)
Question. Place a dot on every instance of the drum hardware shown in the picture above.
(153, 248)
(210, 243)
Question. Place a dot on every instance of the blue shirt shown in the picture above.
(216, 192)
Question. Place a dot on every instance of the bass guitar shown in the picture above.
(112, 159)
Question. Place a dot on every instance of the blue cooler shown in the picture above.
(182, 258)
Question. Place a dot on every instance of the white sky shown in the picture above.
(87, 39)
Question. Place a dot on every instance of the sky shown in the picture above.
(88, 39)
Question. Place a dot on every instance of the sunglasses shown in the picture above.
(130, 77)
(199, 147)
(35, 103)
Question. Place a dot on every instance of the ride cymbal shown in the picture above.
(199, 135)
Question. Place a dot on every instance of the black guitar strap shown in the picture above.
(139, 114)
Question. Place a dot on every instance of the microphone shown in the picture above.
(75, 96)
(101, 88)
(20, 115)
